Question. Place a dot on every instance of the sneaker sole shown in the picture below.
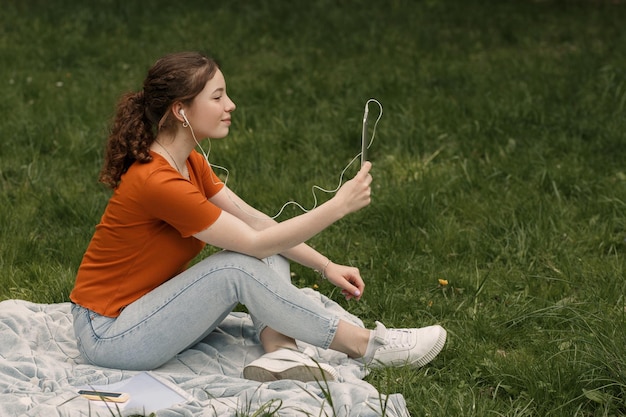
(432, 354)
(299, 373)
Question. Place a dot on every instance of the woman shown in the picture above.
(135, 303)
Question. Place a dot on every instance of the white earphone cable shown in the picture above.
(364, 146)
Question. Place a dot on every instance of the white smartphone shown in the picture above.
(115, 397)
(364, 140)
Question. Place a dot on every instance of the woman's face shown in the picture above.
(209, 112)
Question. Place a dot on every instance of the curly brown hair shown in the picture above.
(177, 77)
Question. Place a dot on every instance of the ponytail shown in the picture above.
(129, 141)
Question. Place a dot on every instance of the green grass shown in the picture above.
(498, 166)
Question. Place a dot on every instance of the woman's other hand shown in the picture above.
(348, 278)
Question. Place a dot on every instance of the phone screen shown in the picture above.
(364, 140)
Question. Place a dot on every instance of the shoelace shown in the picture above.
(394, 338)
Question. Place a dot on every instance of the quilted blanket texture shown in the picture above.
(41, 368)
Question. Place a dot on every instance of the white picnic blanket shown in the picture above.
(41, 368)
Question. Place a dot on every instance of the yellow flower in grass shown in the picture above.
(443, 282)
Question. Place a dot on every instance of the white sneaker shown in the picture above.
(288, 364)
(398, 347)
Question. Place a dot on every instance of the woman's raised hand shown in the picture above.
(356, 193)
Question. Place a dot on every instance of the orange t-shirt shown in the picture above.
(145, 235)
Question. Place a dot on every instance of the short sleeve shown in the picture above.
(178, 202)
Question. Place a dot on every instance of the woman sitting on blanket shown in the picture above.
(135, 303)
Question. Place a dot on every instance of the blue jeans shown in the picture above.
(185, 309)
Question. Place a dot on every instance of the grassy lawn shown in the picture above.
(499, 204)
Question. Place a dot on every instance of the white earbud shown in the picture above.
(182, 113)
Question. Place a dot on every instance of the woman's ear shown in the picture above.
(178, 111)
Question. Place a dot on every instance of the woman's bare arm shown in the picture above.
(260, 237)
